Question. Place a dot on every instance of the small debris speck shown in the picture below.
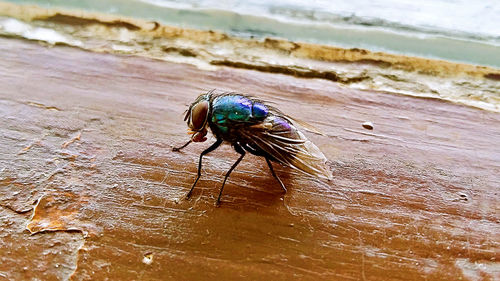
(367, 125)
(148, 258)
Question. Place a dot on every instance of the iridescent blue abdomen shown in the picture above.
(229, 110)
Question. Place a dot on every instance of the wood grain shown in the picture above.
(90, 188)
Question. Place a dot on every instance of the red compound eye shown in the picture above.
(199, 114)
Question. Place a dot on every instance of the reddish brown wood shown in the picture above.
(86, 142)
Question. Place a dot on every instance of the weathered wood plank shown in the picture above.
(87, 137)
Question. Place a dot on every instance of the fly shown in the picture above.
(250, 125)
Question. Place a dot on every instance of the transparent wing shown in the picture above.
(299, 122)
(286, 144)
(307, 126)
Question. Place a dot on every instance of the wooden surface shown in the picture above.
(90, 189)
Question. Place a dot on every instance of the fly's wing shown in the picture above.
(282, 140)
(301, 123)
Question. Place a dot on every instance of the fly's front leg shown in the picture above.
(206, 151)
(181, 147)
(242, 153)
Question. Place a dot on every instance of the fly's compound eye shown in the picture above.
(199, 115)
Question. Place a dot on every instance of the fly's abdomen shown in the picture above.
(281, 140)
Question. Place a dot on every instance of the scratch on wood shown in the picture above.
(77, 137)
(43, 106)
(28, 147)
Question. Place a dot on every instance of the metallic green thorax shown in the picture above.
(230, 109)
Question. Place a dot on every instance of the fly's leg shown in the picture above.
(274, 174)
(179, 148)
(206, 151)
(265, 155)
(240, 151)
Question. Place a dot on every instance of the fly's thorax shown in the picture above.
(231, 111)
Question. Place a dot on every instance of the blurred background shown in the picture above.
(454, 30)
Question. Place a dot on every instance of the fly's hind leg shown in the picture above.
(274, 174)
(265, 155)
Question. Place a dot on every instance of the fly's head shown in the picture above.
(197, 118)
